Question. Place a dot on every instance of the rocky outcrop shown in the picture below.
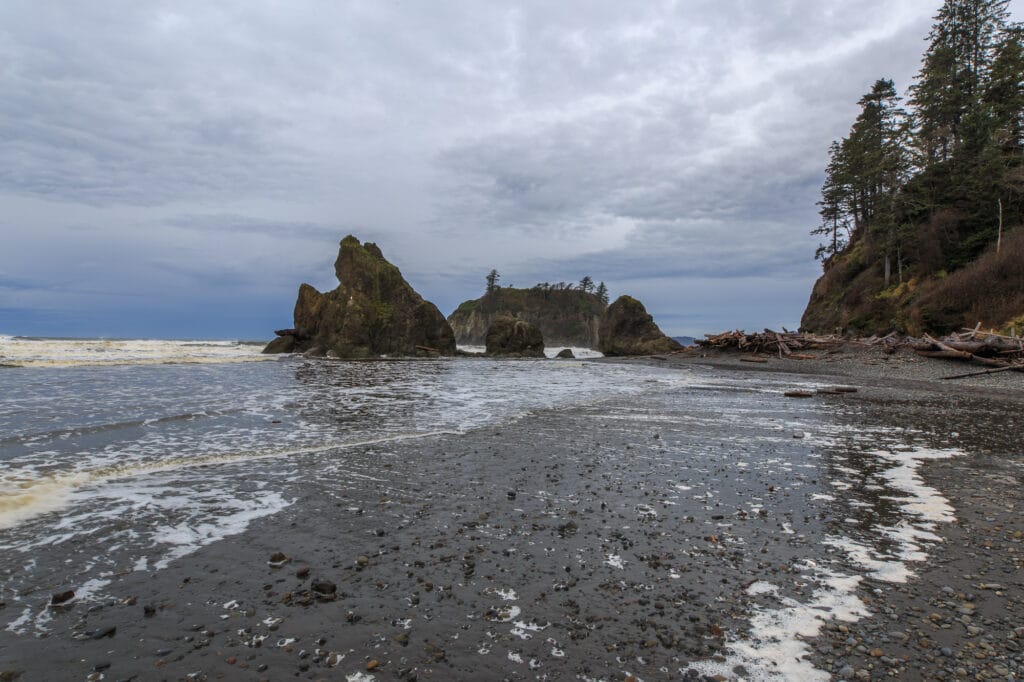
(372, 312)
(565, 353)
(628, 329)
(512, 337)
(565, 317)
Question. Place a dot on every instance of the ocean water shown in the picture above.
(125, 455)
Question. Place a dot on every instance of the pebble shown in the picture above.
(62, 597)
(324, 587)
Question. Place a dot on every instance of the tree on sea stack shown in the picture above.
(586, 284)
(492, 281)
(602, 293)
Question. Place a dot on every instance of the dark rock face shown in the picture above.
(373, 312)
(509, 336)
(565, 353)
(282, 344)
(628, 329)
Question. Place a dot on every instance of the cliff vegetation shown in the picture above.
(922, 205)
(565, 314)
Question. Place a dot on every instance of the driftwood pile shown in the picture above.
(783, 343)
(999, 352)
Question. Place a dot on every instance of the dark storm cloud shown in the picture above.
(666, 146)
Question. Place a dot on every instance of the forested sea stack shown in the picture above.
(922, 206)
(372, 312)
(565, 315)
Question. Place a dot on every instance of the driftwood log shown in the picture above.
(999, 352)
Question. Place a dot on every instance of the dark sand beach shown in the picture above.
(637, 538)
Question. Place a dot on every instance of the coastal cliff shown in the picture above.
(565, 317)
(852, 296)
(922, 207)
(372, 312)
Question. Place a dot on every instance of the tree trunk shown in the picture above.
(999, 239)
(888, 269)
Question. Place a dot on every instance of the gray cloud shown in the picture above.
(209, 156)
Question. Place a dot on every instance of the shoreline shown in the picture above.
(869, 365)
(557, 532)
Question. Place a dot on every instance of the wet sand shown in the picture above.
(626, 538)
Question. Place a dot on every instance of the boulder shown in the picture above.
(565, 353)
(282, 344)
(512, 337)
(628, 329)
(372, 312)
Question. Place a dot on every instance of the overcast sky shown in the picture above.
(178, 169)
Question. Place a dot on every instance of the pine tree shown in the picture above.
(492, 281)
(1004, 93)
(953, 74)
(602, 293)
(833, 207)
(586, 284)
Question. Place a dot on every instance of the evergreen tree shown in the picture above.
(953, 74)
(492, 281)
(1005, 91)
(602, 293)
(864, 175)
(833, 207)
(586, 284)
(960, 151)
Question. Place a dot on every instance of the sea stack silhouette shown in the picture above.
(372, 312)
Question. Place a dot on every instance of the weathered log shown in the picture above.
(944, 354)
(956, 353)
(1007, 368)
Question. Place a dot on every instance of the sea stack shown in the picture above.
(512, 337)
(372, 312)
(628, 329)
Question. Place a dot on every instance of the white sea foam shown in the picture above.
(776, 649)
(549, 351)
(615, 561)
(41, 352)
(924, 507)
